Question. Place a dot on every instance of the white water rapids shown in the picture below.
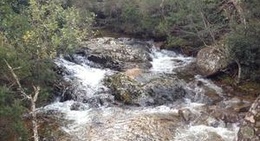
(154, 123)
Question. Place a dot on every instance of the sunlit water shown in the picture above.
(116, 123)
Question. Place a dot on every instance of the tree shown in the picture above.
(244, 48)
(54, 29)
(197, 22)
(243, 40)
(31, 35)
(31, 97)
(10, 116)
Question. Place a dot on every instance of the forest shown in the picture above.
(34, 32)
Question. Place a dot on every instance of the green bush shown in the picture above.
(244, 46)
(35, 34)
(31, 35)
(11, 124)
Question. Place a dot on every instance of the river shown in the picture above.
(176, 104)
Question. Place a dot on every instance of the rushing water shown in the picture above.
(166, 61)
(119, 123)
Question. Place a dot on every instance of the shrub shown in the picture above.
(11, 124)
(31, 35)
(244, 47)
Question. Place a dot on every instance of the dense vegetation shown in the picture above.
(189, 25)
(33, 32)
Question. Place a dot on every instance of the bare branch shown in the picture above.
(32, 99)
(17, 81)
(36, 93)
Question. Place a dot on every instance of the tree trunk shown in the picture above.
(34, 121)
(31, 98)
(239, 72)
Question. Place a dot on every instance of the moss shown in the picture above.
(126, 97)
(124, 88)
(247, 132)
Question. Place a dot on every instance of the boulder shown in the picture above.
(165, 90)
(211, 60)
(157, 90)
(118, 54)
(125, 89)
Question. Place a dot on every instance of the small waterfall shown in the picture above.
(86, 80)
(165, 61)
(209, 84)
(180, 121)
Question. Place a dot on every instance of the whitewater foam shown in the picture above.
(165, 61)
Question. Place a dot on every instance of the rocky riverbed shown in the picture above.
(127, 89)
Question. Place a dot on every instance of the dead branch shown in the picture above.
(17, 81)
(31, 98)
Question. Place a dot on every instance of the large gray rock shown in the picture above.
(154, 91)
(118, 54)
(165, 90)
(125, 89)
(211, 60)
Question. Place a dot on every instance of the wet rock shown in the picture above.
(188, 72)
(124, 88)
(77, 106)
(63, 90)
(198, 133)
(133, 73)
(216, 123)
(246, 133)
(211, 136)
(243, 107)
(211, 60)
(186, 115)
(118, 54)
(165, 90)
(209, 118)
(205, 91)
(147, 127)
(212, 97)
(94, 102)
(250, 129)
(227, 115)
(152, 91)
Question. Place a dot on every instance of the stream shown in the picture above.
(128, 90)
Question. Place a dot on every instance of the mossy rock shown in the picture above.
(124, 88)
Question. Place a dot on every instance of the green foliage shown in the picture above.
(10, 116)
(244, 46)
(173, 41)
(12, 24)
(253, 8)
(195, 22)
(54, 29)
(37, 33)
(31, 35)
(140, 17)
(131, 17)
(192, 23)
